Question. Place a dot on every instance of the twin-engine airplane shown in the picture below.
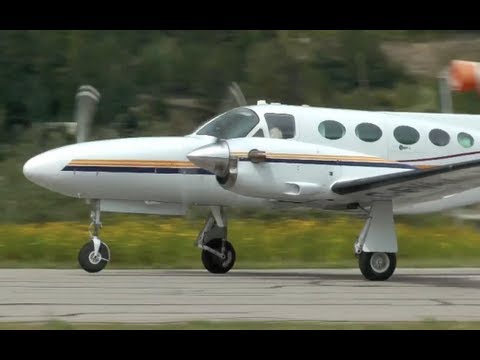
(273, 156)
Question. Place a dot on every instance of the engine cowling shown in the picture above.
(246, 167)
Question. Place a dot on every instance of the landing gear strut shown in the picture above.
(376, 246)
(218, 254)
(95, 254)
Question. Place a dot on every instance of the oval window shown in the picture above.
(368, 132)
(465, 140)
(439, 137)
(331, 130)
(406, 135)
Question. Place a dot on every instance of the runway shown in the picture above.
(154, 296)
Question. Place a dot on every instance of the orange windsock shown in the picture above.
(464, 75)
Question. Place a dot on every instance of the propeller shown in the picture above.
(237, 94)
(87, 100)
(233, 98)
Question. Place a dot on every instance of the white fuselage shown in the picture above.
(157, 170)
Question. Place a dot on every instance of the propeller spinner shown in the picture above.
(213, 157)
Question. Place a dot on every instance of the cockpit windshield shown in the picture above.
(236, 123)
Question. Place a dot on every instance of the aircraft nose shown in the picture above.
(40, 169)
(33, 169)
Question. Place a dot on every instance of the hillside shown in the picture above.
(429, 58)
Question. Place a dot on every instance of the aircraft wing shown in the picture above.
(416, 185)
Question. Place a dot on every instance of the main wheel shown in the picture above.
(213, 263)
(91, 263)
(377, 266)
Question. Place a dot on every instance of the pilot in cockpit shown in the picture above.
(276, 133)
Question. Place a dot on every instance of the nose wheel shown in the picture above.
(92, 261)
(95, 254)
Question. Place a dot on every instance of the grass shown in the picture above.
(153, 242)
(247, 325)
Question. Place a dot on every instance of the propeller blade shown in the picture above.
(233, 98)
(87, 99)
(237, 94)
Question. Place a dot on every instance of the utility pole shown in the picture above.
(445, 91)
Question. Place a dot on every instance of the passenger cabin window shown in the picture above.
(368, 132)
(236, 123)
(331, 129)
(465, 140)
(439, 137)
(280, 126)
(406, 135)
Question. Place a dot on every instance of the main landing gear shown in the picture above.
(218, 254)
(376, 246)
(94, 255)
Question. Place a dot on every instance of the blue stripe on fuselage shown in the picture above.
(142, 170)
(198, 171)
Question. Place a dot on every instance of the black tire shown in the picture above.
(213, 263)
(387, 262)
(85, 261)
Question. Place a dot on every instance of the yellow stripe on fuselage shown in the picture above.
(188, 164)
(133, 163)
(319, 157)
(424, 167)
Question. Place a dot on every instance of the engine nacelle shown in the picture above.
(265, 168)
(260, 180)
(282, 169)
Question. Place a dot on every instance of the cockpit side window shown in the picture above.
(259, 133)
(281, 126)
(236, 123)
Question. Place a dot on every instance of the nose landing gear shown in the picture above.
(95, 254)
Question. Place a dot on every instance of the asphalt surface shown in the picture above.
(153, 296)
